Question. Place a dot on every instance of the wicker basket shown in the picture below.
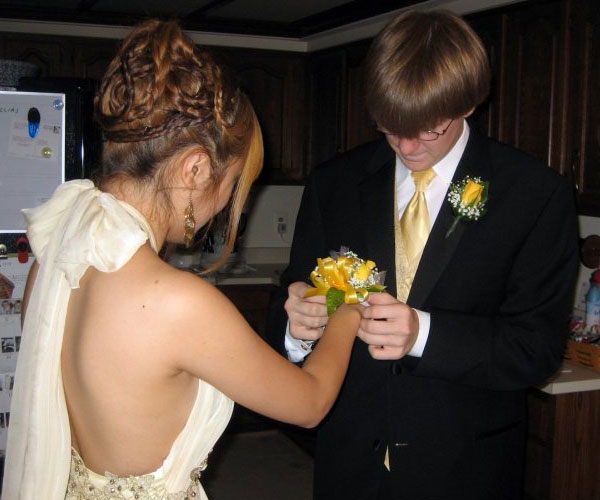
(587, 355)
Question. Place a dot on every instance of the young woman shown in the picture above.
(128, 367)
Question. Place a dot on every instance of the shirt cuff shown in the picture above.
(423, 335)
(296, 349)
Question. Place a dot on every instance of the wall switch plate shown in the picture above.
(281, 222)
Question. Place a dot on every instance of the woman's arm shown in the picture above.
(215, 343)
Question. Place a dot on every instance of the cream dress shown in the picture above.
(79, 227)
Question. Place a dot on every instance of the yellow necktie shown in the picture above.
(412, 231)
(414, 223)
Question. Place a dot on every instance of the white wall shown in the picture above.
(265, 205)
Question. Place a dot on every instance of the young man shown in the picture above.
(434, 403)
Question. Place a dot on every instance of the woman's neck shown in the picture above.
(143, 199)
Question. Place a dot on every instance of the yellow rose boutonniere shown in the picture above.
(468, 198)
(344, 277)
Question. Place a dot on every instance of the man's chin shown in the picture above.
(417, 165)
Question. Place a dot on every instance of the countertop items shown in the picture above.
(247, 274)
(572, 378)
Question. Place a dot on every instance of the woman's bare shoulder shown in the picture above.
(180, 283)
(186, 296)
(198, 320)
(166, 279)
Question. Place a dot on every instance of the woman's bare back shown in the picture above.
(126, 402)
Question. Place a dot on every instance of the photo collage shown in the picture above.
(13, 275)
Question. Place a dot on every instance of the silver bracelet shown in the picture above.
(307, 345)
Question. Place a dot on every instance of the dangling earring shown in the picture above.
(189, 224)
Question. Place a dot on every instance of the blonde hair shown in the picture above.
(162, 95)
(423, 68)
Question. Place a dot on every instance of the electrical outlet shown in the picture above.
(280, 220)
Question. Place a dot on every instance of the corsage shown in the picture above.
(345, 278)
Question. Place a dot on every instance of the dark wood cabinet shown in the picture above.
(339, 118)
(535, 88)
(90, 58)
(490, 28)
(327, 83)
(545, 58)
(360, 128)
(527, 47)
(562, 449)
(60, 56)
(46, 52)
(584, 119)
(252, 301)
(276, 85)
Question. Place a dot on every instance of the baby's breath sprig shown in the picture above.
(468, 198)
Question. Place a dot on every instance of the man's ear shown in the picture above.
(195, 169)
(469, 113)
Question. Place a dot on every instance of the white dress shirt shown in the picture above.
(405, 188)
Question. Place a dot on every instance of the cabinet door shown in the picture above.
(327, 95)
(575, 467)
(51, 54)
(275, 83)
(536, 83)
(538, 467)
(491, 29)
(360, 128)
(339, 117)
(584, 157)
(61, 56)
(93, 56)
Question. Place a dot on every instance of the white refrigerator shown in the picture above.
(32, 165)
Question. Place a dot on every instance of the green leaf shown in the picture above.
(334, 299)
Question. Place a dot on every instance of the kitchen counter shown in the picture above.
(572, 378)
(248, 274)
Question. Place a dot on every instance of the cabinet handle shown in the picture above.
(574, 165)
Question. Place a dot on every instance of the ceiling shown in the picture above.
(282, 18)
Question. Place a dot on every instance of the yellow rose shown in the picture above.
(472, 193)
(364, 271)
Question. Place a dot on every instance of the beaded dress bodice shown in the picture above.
(85, 484)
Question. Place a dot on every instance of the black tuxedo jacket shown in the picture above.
(499, 294)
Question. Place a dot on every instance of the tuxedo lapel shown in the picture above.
(376, 193)
(439, 250)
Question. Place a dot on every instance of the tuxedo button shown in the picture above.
(376, 444)
(396, 368)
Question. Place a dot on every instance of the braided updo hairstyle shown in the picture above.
(162, 95)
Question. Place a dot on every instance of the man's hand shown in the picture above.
(307, 316)
(389, 327)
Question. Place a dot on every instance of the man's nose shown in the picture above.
(406, 146)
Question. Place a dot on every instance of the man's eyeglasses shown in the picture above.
(429, 135)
